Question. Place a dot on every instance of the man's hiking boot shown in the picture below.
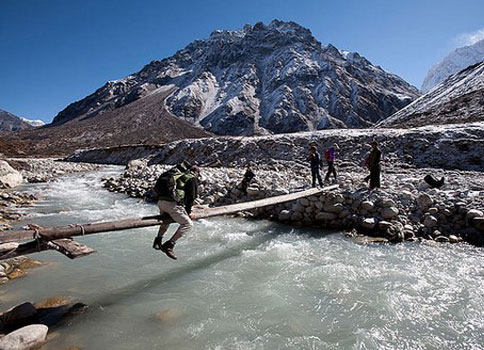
(157, 243)
(167, 248)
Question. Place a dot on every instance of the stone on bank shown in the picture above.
(26, 338)
(9, 177)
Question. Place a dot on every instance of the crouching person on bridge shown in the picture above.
(176, 190)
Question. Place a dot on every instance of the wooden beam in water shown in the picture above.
(46, 234)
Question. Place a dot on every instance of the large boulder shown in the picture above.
(474, 213)
(389, 213)
(478, 223)
(430, 221)
(9, 177)
(26, 338)
(368, 224)
(284, 215)
(424, 201)
(18, 316)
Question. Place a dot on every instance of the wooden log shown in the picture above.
(67, 246)
(57, 232)
(70, 248)
(234, 208)
(45, 234)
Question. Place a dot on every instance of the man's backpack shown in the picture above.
(165, 186)
(327, 155)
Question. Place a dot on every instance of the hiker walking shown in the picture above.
(248, 177)
(373, 164)
(315, 161)
(330, 156)
(176, 190)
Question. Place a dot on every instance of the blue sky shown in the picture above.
(54, 52)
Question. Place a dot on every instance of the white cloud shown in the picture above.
(467, 39)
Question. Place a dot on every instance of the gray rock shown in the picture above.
(454, 239)
(284, 215)
(339, 198)
(304, 202)
(297, 216)
(368, 223)
(344, 213)
(384, 225)
(333, 207)
(297, 207)
(9, 177)
(367, 205)
(389, 212)
(252, 191)
(386, 203)
(474, 213)
(424, 200)
(433, 211)
(442, 239)
(478, 223)
(430, 221)
(26, 338)
(323, 215)
(18, 315)
(136, 164)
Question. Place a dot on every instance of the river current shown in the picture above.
(241, 284)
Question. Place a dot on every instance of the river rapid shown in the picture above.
(241, 284)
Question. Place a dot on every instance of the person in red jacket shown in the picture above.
(330, 156)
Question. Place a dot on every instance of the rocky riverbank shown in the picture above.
(404, 209)
(26, 326)
(14, 172)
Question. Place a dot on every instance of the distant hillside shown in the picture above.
(10, 122)
(459, 99)
(141, 122)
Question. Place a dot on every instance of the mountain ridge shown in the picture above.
(11, 122)
(259, 79)
(454, 62)
(458, 99)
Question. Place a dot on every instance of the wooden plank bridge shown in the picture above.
(59, 238)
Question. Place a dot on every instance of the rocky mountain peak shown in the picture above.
(11, 122)
(262, 78)
(456, 61)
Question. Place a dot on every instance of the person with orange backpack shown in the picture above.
(330, 156)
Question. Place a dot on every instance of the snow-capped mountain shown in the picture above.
(10, 122)
(34, 122)
(456, 61)
(262, 78)
(458, 99)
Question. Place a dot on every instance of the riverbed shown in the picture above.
(241, 284)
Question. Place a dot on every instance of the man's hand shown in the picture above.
(192, 216)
